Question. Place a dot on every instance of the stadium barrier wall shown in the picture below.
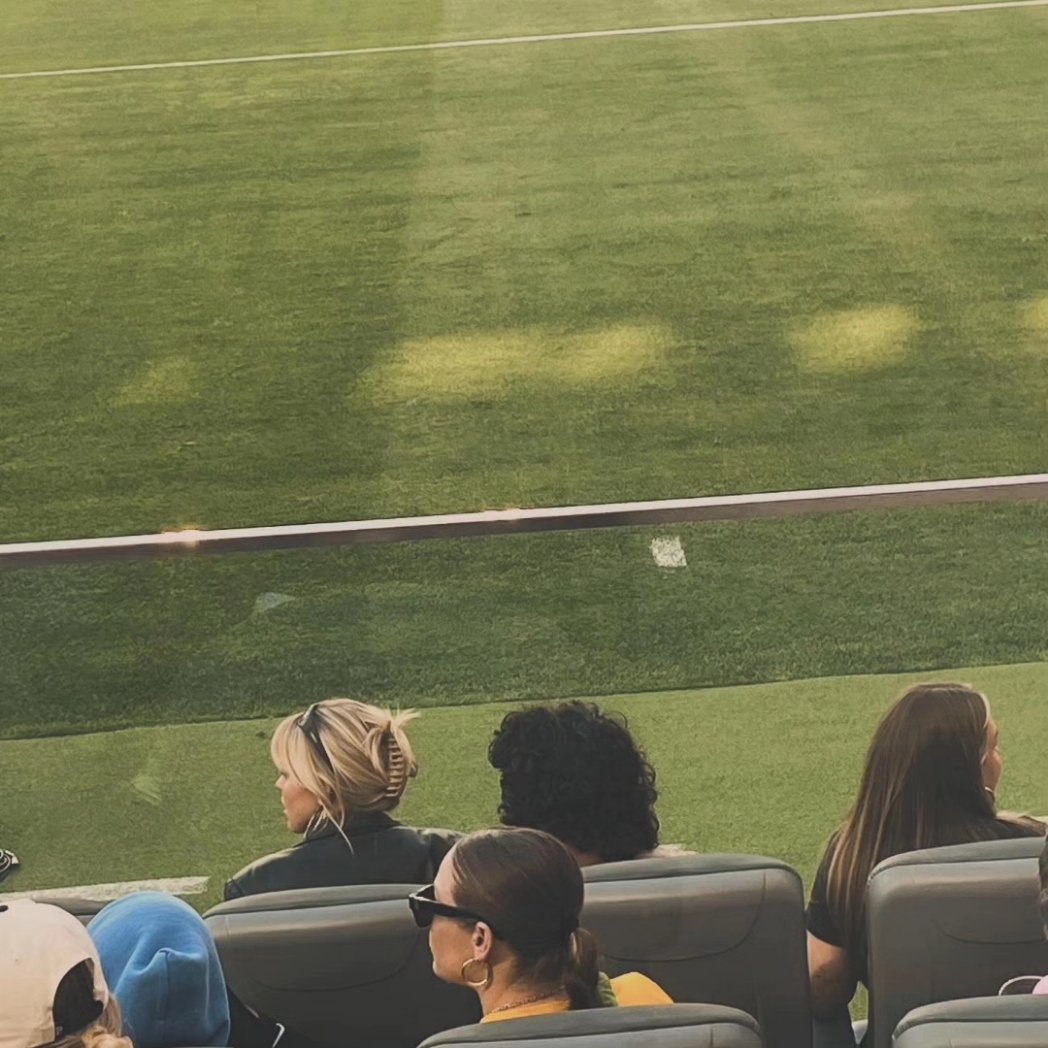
(1026, 487)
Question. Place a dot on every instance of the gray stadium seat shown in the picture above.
(342, 966)
(338, 964)
(674, 1026)
(950, 923)
(981, 1022)
(713, 929)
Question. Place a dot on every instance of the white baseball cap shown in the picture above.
(39, 946)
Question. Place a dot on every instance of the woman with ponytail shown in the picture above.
(343, 766)
(503, 919)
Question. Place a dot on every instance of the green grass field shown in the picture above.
(570, 272)
(576, 271)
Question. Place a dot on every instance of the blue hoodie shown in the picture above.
(162, 966)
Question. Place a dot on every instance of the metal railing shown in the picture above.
(1028, 487)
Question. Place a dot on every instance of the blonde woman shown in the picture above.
(52, 991)
(342, 767)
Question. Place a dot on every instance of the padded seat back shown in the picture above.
(341, 966)
(673, 1026)
(949, 923)
(711, 929)
(982, 1022)
(345, 965)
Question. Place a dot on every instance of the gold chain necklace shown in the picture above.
(533, 999)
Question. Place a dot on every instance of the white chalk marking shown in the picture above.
(117, 890)
(668, 553)
(542, 38)
(268, 601)
(147, 786)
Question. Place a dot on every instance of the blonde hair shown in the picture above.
(105, 1032)
(369, 758)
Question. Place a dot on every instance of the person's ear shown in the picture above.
(483, 941)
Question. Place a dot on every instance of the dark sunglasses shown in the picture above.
(309, 723)
(424, 907)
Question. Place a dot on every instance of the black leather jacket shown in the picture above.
(384, 852)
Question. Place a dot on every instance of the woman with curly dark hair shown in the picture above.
(576, 773)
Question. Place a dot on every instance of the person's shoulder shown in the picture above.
(1010, 825)
(823, 870)
(819, 918)
(439, 837)
(380, 851)
(635, 989)
(437, 842)
(421, 833)
(391, 852)
(667, 851)
(270, 873)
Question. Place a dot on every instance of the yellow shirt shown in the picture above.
(526, 1011)
(631, 990)
(634, 990)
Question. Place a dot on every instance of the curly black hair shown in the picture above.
(575, 772)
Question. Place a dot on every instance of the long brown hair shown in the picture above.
(530, 887)
(922, 787)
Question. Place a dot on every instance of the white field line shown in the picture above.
(108, 892)
(668, 553)
(544, 38)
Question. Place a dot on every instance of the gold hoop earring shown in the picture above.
(477, 984)
(991, 794)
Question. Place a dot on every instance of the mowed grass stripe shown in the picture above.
(772, 273)
(768, 769)
(543, 38)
